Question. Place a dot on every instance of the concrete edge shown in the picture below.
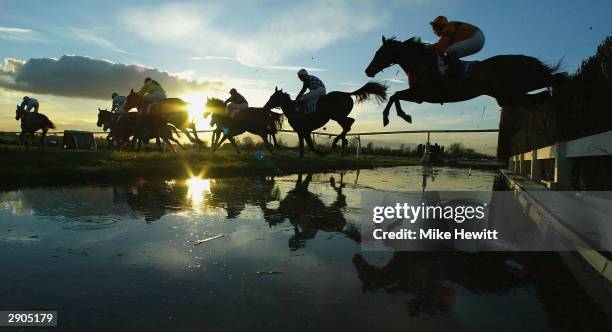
(540, 214)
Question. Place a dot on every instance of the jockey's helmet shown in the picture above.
(233, 91)
(147, 79)
(438, 23)
(26, 98)
(302, 73)
(114, 94)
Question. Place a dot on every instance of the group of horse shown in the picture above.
(171, 116)
(507, 78)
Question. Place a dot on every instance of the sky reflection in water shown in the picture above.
(290, 259)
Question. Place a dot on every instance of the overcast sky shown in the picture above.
(72, 54)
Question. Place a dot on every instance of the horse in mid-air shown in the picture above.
(30, 123)
(507, 78)
(257, 121)
(336, 105)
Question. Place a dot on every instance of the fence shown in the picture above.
(559, 156)
(357, 135)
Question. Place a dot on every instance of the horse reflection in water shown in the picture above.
(153, 199)
(429, 276)
(234, 194)
(308, 214)
(156, 198)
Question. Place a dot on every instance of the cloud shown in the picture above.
(18, 34)
(288, 31)
(85, 77)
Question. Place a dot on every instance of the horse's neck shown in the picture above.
(425, 62)
(289, 108)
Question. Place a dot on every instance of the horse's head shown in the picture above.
(132, 101)
(391, 53)
(278, 99)
(213, 105)
(105, 119)
(19, 113)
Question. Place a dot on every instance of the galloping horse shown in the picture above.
(171, 110)
(31, 122)
(507, 78)
(257, 121)
(130, 125)
(336, 106)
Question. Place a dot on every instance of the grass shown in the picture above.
(31, 166)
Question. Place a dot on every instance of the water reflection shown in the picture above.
(300, 226)
(308, 214)
(432, 279)
(196, 188)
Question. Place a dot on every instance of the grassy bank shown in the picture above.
(21, 166)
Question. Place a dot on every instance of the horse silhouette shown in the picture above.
(507, 78)
(171, 110)
(257, 121)
(335, 105)
(130, 125)
(30, 123)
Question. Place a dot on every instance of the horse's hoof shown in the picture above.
(385, 122)
(407, 118)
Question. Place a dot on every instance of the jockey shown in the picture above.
(29, 103)
(316, 87)
(151, 92)
(235, 103)
(457, 40)
(118, 105)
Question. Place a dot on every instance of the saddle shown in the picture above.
(310, 107)
(462, 70)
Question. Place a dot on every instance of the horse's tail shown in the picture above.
(371, 88)
(277, 120)
(554, 70)
(50, 124)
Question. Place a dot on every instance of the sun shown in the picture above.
(196, 102)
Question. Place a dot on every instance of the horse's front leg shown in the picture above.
(406, 95)
(22, 138)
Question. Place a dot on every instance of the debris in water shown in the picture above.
(269, 272)
(172, 227)
(514, 264)
(198, 242)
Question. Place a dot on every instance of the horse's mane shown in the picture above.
(416, 43)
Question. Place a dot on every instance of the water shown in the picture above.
(123, 256)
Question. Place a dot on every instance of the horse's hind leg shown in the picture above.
(311, 146)
(233, 141)
(276, 146)
(43, 143)
(346, 125)
(177, 142)
(218, 144)
(167, 141)
(267, 144)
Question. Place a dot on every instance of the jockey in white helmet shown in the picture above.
(316, 87)
(29, 104)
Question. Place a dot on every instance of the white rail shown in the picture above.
(529, 164)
